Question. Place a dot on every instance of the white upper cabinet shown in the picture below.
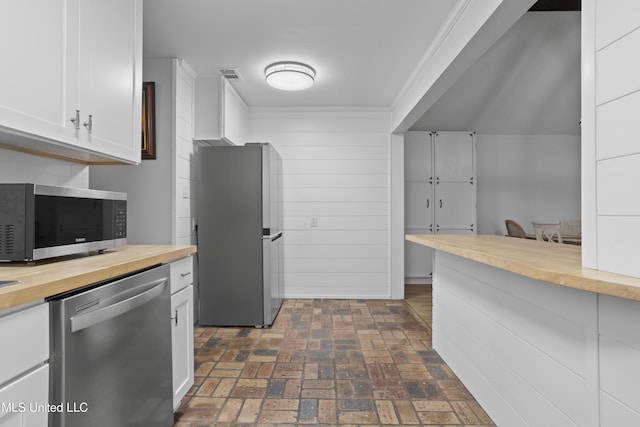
(418, 165)
(34, 41)
(67, 61)
(220, 114)
(454, 152)
(110, 77)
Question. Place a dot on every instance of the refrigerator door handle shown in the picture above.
(273, 237)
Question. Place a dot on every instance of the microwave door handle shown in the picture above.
(92, 318)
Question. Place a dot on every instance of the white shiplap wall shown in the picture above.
(527, 350)
(336, 169)
(184, 158)
(617, 147)
(16, 166)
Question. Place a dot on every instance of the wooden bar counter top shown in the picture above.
(553, 263)
(41, 279)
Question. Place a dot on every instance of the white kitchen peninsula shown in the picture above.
(537, 339)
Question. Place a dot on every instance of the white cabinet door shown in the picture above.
(110, 77)
(230, 115)
(182, 342)
(418, 163)
(27, 333)
(35, 70)
(454, 154)
(220, 114)
(418, 212)
(24, 400)
(455, 205)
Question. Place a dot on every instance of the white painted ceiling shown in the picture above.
(363, 50)
(527, 83)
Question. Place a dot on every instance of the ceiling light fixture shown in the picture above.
(287, 75)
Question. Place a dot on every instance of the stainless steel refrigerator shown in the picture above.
(240, 235)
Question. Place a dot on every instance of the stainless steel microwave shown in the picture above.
(42, 221)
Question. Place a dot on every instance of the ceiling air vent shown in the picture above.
(230, 73)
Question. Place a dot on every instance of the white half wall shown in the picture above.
(527, 350)
(336, 199)
(527, 177)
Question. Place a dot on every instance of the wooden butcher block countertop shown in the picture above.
(549, 262)
(44, 278)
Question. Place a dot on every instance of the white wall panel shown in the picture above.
(616, 127)
(515, 353)
(619, 244)
(329, 138)
(620, 371)
(337, 152)
(298, 265)
(330, 251)
(615, 414)
(545, 332)
(333, 237)
(620, 360)
(366, 166)
(295, 208)
(336, 181)
(529, 404)
(619, 319)
(618, 180)
(352, 222)
(616, 18)
(336, 176)
(491, 400)
(184, 178)
(617, 69)
(337, 194)
(617, 34)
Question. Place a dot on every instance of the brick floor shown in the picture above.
(326, 363)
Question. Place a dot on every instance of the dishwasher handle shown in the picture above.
(87, 320)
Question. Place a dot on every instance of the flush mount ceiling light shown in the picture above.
(287, 75)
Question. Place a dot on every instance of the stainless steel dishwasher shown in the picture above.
(111, 353)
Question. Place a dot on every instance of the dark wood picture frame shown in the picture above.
(148, 120)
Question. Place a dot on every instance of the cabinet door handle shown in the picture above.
(427, 202)
(76, 120)
(89, 124)
(440, 203)
(175, 318)
(185, 274)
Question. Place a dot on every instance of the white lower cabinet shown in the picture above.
(24, 371)
(23, 401)
(182, 327)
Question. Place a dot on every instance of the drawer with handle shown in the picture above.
(181, 273)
